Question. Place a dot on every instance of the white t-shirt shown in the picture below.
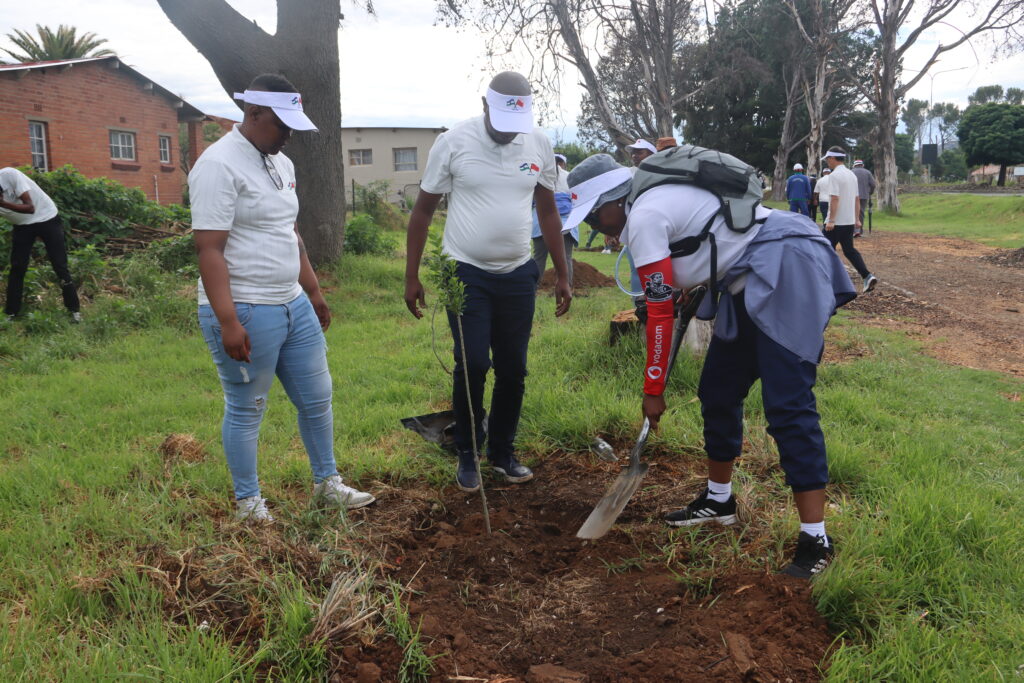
(490, 188)
(668, 213)
(14, 184)
(562, 184)
(231, 189)
(842, 183)
(821, 189)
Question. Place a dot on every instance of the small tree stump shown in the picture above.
(623, 323)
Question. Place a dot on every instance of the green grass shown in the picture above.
(994, 220)
(929, 459)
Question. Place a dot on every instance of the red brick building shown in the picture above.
(102, 117)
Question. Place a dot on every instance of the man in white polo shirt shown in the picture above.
(493, 168)
(33, 214)
(843, 211)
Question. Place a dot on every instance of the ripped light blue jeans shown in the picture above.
(287, 342)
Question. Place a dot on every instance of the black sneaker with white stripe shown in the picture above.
(812, 556)
(702, 510)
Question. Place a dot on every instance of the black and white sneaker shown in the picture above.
(512, 470)
(702, 510)
(812, 556)
(869, 283)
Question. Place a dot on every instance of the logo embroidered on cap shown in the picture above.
(574, 196)
(297, 99)
(514, 103)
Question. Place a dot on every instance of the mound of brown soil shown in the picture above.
(584, 276)
(533, 602)
(1011, 258)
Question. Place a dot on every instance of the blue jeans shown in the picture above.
(286, 341)
(497, 321)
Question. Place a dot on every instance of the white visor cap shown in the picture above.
(834, 155)
(585, 195)
(287, 106)
(510, 113)
(642, 144)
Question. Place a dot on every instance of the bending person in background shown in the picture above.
(33, 215)
(570, 236)
(770, 327)
(260, 306)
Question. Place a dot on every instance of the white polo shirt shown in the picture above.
(14, 183)
(821, 189)
(231, 189)
(842, 183)
(490, 192)
(668, 213)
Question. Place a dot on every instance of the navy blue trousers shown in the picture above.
(787, 391)
(799, 206)
(496, 322)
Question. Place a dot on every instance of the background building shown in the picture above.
(395, 155)
(101, 116)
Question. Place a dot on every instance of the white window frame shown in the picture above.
(122, 143)
(360, 157)
(401, 166)
(33, 139)
(164, 143)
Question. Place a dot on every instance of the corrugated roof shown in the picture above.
(187, 110)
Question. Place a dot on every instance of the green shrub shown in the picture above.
(176, 255)
(372, 200)
(102, 207)
(364, 236)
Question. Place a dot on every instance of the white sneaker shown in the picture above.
(76, 317)
(606, 250)
(334, 492)
(253, 509)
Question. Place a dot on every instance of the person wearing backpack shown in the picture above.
(693, 216)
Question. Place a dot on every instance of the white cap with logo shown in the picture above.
(798, 167)
(642, 144)
(287, 106)
(510, 113)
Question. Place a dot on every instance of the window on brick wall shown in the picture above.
(122, 145)
(37, 144)
(405, 158)
(165, 149)
(360, 157)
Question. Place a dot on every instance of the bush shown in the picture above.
(176, 255)
(364, 236)
(372, 200)
(95, 209)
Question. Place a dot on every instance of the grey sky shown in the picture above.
(399, 69)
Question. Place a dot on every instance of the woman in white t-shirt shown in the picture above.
(260, 305)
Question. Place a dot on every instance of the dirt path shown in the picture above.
(966, 309)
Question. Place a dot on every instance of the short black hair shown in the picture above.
(272, 83)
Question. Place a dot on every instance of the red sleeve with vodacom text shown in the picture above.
(657, 280)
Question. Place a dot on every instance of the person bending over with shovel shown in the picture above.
(780, 282)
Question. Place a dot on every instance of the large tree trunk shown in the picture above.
(304, 50)
(786, 143)
(887, 102)
(1002, 175)
(814, 96)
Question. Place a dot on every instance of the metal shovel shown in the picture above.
(604, 514)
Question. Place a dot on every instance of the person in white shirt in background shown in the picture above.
(820, 193)
(260, 306)
(843, 213)
(33, 214)
(570, 236)
(493, 167)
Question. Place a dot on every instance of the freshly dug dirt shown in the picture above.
(584, 276)
(958, 297)
(1011, 258)
(531, 602)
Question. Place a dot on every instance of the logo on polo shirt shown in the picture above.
(574, 196)
(514, 103)
(291, 185)
(529, 168)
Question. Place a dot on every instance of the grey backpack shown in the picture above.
(733, 182)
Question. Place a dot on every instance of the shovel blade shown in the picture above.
(603, 516)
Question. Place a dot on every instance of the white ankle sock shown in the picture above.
(719, 492)
(814, 529)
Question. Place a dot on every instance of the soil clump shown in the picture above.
(584, 276)
(531, 602)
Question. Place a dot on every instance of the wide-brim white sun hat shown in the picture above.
(594, 182)
(287, 106)
(510, 113)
